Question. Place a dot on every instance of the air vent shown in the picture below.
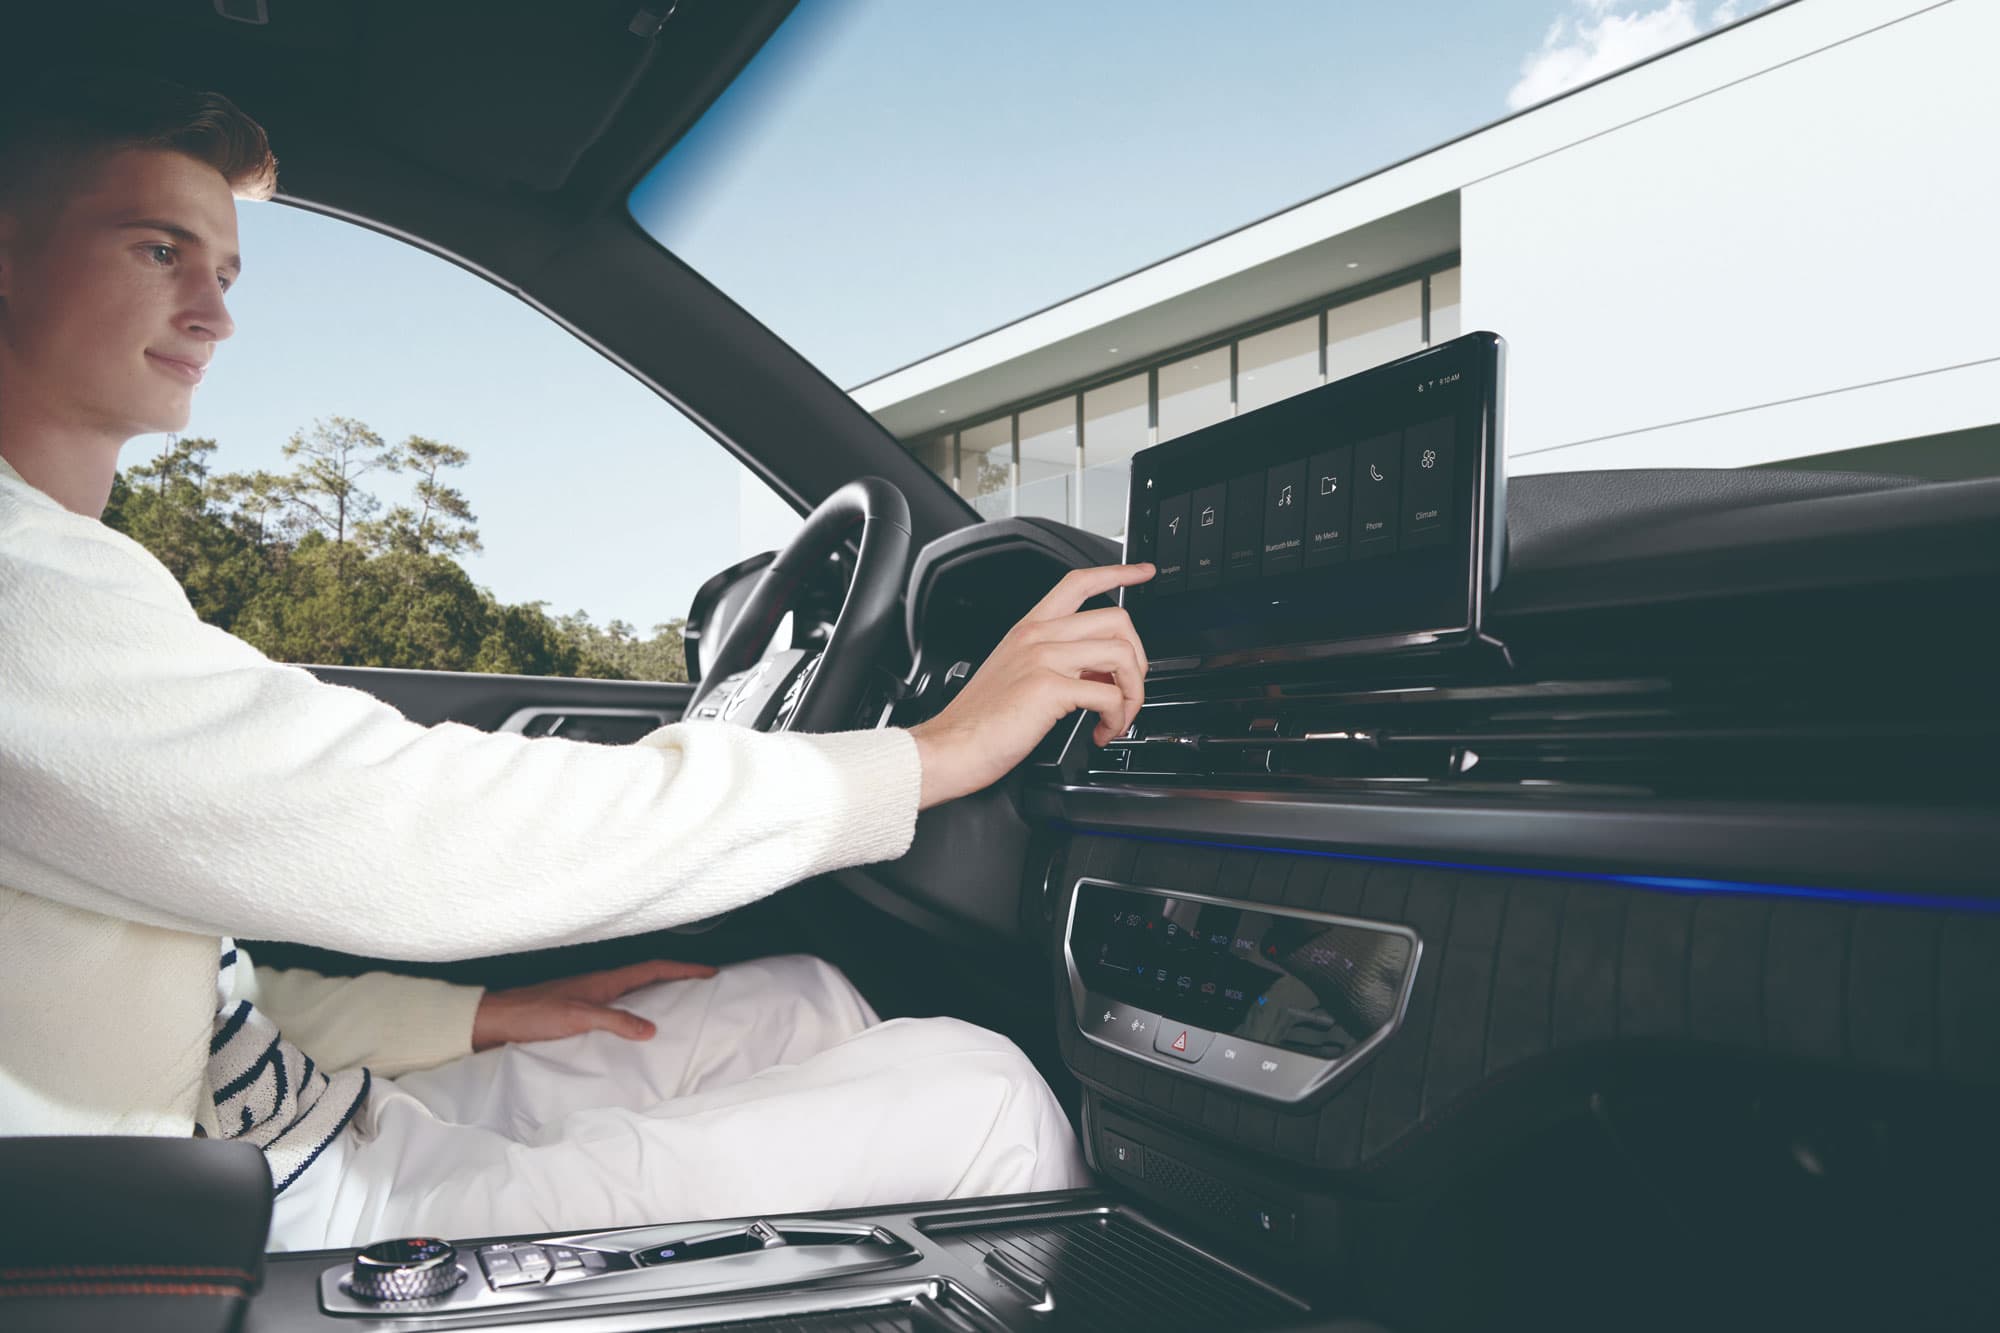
(1777, 731)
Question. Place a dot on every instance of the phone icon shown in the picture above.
(1375, 472)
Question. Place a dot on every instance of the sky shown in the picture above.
(890, 178)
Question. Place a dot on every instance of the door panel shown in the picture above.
(613, 711)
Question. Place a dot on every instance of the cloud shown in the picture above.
(1598, 37)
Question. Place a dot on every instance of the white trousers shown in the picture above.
(770, 1087)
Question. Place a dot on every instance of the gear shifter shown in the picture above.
(405, 1270)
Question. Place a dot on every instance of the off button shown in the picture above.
(1181, 1041)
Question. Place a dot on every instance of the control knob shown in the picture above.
(405, 1270)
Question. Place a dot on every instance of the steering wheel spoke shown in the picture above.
(795, 689)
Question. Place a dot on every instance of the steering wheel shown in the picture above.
(795, 690)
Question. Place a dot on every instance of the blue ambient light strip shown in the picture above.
(1929, 902)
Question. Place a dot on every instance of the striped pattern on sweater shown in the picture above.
(269, 1092)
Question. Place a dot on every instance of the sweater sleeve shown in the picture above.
(160, 770)
(392, 1024)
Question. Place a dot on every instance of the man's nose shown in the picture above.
(206, 316)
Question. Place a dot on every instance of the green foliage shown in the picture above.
(298, 565)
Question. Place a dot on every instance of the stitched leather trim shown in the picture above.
(20, 1289)
(87, 1271)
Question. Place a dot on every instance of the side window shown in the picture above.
(393, 463)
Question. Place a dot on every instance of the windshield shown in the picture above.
(1037, 237)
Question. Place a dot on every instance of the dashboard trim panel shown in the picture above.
(1906, 857)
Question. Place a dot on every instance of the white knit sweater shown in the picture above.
(163, 784)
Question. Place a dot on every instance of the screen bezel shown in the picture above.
(1478, 534)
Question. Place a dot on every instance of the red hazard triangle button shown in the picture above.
(1188, 1044)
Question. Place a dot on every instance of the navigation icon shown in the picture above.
(1174, 523)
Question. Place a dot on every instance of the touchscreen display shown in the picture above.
(1365, 512)
(1315, 987)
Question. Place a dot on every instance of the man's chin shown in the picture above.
(164, 418)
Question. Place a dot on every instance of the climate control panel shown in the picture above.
(1274, 1002)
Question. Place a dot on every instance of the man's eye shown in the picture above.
(161, 254)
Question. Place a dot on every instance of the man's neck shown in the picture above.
(74, 466)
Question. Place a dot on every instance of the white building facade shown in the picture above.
(1771, 246)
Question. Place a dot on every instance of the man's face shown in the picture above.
(111, 303)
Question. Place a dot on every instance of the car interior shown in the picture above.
(1596, 928)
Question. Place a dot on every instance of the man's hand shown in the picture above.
(1055, 661)
(573, 1004)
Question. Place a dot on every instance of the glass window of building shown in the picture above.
(1194, 393)
(1114, 428)
(1444, 306)
(1048, 461)
(986, 467)
(935, 454)
(1374, 329)
(1277, 363)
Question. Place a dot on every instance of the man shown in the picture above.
(167, 787)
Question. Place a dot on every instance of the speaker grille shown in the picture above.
(1207, 1193)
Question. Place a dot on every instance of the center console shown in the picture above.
(1065, 1261)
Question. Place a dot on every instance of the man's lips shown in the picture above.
(191, 371)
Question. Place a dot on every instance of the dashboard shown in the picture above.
(1694, 807)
